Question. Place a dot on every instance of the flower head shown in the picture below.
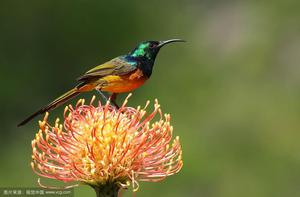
(101, 144)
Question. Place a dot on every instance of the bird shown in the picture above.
(119, 75)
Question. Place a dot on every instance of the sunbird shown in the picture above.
(121, 74)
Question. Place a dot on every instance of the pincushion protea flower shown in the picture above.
(106, 148)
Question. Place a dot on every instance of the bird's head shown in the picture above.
(149, 49)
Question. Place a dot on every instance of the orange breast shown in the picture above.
(125, 83)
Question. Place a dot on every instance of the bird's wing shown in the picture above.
(117, 66)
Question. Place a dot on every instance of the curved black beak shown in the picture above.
(164, 42)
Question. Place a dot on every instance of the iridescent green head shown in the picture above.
(149, 49)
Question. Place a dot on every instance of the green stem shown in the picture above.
(107, 190)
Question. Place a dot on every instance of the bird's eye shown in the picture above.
(152, 45)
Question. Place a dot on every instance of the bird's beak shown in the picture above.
(164, 42)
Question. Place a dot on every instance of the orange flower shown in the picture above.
(100, 144)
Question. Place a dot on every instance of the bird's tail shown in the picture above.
(57, 102)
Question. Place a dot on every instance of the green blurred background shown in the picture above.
(233, 89)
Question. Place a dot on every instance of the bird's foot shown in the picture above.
(113, 100)
(102, 95)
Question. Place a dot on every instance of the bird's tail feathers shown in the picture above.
(57, 102)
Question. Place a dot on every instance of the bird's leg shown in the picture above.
(113, 99)
(102, 95)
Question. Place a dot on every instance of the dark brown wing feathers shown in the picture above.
(116, 66)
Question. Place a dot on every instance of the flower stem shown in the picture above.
(107, 190)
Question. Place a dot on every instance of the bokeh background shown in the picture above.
(233, 89)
